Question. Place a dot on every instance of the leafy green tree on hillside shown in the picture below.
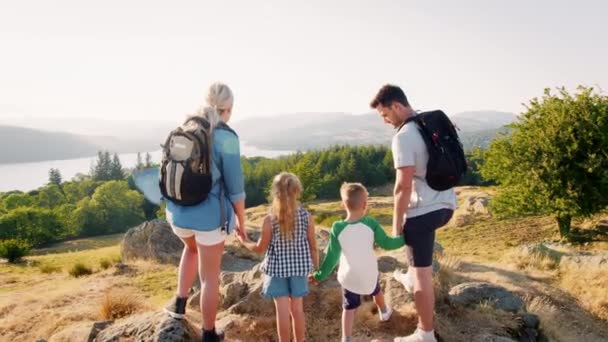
(54, 177)
(16, 200)
(555, 162)
(149, 162)
(50, 196)
(76, 191)
(116, 170)
(100, 171)
(34, 225)
(113, 208)
(139, 165)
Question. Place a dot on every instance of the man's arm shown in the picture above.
(402, 193)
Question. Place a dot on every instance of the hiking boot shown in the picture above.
(213, 335)
(177, 307)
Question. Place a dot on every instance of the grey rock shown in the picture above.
(149, 327)
(530, 320)
(528, 335)
(493, 338)
(477, 292)
(152, 240)
(97, 328)
(585, 261)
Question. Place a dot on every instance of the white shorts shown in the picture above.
(205, 238)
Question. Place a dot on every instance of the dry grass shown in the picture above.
(78, 245)
(588, 285)
(446, 277)
(119, 303)
(48, 269)
(489, 239)
(531, 261)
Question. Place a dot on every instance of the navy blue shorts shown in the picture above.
(352, 300)
(419, 234)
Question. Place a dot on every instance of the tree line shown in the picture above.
(553, 161)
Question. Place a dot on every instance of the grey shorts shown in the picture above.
(419, 234)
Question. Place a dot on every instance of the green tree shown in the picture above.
(116, 171)
(139, 165)
(34, 225)
(55, 177)
(13, 250)
(70, 221)
(555, 162)
(76, 191)
(102, 168)
(50, 197)
(115, 208)
(149, 162)
(16, 200)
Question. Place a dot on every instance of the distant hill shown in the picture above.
(19, 145)
(305, 131)
(28, 140)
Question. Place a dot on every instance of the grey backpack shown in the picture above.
(185, 170)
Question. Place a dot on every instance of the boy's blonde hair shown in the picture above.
(353, 195)
(286, 190)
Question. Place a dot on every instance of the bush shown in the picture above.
(79, 269)
(105, 264)
(118, 304)
(47, 268)
(14, 250)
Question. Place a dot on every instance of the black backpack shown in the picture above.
(447, 164)
(185, 170)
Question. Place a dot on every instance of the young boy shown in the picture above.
(352, 242)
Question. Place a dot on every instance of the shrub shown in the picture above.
(79, 269)
(117, 304)
(14, 250)
(47, 268)
(105, 264)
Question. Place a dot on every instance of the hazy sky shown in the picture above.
(136, 59)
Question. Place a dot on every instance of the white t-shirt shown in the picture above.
(409, 149)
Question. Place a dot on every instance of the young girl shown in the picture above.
(288, 238)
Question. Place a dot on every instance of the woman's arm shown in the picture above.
(262, 244)
(239, 211)
(232, 173)
(312, 242)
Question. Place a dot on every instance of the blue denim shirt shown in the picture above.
(226, 164)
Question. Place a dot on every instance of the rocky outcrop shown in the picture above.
(149, 327)
(152, 240)
(476, 292)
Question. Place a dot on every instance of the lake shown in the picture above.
(30, 176)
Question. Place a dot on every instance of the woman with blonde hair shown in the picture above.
(288, 238)
(203, 227)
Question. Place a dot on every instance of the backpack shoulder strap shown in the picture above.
(225, 127)
(201, 121)
(414, 118)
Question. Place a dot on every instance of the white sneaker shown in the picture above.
(418, 336)
(387, 315)
(406, 279)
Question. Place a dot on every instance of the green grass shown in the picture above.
(80, 244)
(158, 285)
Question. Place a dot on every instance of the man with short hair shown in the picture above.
(418, 209)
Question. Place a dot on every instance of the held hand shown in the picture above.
(241, 234)
(312, 279)
(397, 230)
